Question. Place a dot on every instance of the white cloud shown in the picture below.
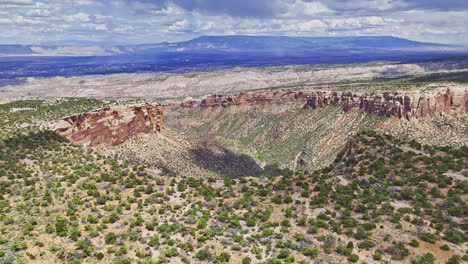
(16, 2)
(78, 17)
(6, 21)
(312, 25)
(302, 9)
(141, 21)
(179, 25)
(21, 20)
(38, 13)
(97, 27)
(86, 3)
(124, 29)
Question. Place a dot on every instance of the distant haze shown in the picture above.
(210, 53)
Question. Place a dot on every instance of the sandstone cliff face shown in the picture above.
(400, 105)
(452, 101)
(249, 99)
(111, 126)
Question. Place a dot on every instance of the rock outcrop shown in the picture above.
(452, 101)
(400, 105)
(249, 99)
(111, 126)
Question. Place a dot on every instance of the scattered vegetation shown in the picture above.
(62, 203)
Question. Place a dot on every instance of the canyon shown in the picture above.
(115, 126)
(309, 127)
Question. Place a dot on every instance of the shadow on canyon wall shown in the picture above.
(233, 165)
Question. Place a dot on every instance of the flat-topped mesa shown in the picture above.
(111, 126)
(400, 105)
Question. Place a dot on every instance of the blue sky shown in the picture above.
(148, 21)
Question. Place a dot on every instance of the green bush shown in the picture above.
(353, 258)
(311, 252)
(377, 255)
(110, 238)
(223, 258)
(428, 258)
(455, 259)
(203, 254)
(429, 237)
(61, 226)
(367, 244)
(246, 260)
(277, 199)
(100, 256)
(445, 247)
(171, 252)
(414, 243)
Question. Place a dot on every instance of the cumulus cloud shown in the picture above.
(143, 21)
(78, 17)
(16, 2)
(238, 8)
(38, 13)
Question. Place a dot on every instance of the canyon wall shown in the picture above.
(111, 126)
(452, 101)
(397, 104)
(115, 126)
(248, 99)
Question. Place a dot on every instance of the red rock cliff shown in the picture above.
(453, 101)
(249, 99)
(111, 126)
(400, 105)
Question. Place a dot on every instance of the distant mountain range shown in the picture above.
(209, 53)
(220, 44)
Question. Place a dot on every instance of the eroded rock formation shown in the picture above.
(249, 99)
(111, 126)
(400, 105)
(452, 101)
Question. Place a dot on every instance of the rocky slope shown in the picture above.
(111, 126)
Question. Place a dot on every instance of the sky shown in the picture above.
(151, 21)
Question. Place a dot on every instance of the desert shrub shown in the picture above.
(428, 237)
(61, 226)
(171, 252)
(367, 244)
(283, 253)
(353, 258)
(223, 258)
(154, 241)
(49, 229)
(277, 199)
(100, 256)
(455, 259)
(398, 251)
(445, 247)
(110, 238)
(455, 236)
(428, 258)
(203, 254)
(377, 255)
(311, 252)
